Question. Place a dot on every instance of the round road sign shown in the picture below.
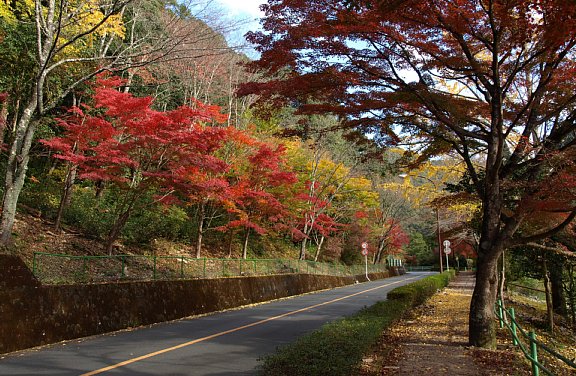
(364, 252)
(364, 245)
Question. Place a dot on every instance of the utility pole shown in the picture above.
(439, 236)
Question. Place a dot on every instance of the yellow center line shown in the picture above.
(150, 355)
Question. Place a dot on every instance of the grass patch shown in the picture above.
(527, 291)
(337, 348)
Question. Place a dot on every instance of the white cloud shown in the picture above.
(247, 8)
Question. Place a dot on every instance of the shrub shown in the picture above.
(169, 223)
(416, 293)
(94, 216)
(337, 348)
(42, 194)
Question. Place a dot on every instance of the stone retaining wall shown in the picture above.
(32, 314)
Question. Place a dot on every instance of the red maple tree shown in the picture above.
(123, 141)
(489, 80)
(211, 190)
(257, 193)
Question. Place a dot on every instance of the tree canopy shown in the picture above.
(490, 81)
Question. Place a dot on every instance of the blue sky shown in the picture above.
(247, 13)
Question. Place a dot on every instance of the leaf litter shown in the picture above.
(433, 340)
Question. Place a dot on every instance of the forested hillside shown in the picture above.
(121, 124)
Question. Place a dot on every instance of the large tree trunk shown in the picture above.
(482, 326)
(25, 127)
(556, 280)
(16, 170)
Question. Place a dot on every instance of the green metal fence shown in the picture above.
(527, 341)
(419, 268)
(61, 269)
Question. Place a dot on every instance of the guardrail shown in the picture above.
(532, 353)
(419, 268)
(61, 269)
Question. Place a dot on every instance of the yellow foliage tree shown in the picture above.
(62, 27)
(332, 189)
(424, 187)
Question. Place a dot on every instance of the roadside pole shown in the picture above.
(447, 251)
(365, 253)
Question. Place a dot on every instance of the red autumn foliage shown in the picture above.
(123, 141)
(256, 192)
(396, 238)
(133, 145)
(481, 79)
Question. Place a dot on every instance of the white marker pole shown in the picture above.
(365, 253)
(447, 250)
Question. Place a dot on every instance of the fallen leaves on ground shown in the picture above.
(433, 340)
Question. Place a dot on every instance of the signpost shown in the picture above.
(447, 251)
(365, 253)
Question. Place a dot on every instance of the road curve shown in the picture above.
(225, 343)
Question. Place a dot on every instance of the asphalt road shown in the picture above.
(225, 343)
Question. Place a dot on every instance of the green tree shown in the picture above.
(62, 30)
(420, 249)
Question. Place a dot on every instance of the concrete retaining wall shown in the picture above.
(32, 314)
